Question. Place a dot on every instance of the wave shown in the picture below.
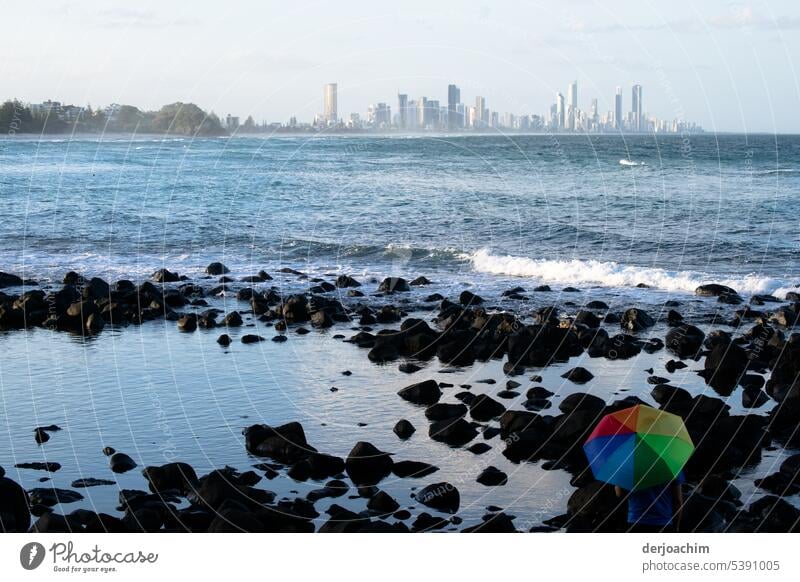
(775, 171)
(624, 162)
(613, 274)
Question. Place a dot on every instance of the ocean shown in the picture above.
(631, 220)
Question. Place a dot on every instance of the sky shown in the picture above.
(729, 66)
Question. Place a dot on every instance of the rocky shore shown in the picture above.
(748, 351)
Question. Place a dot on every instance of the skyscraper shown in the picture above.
(560, 111)
(618, 109)
(402, 110)
(480, 112)
(572, 104)
(422, 112)
(331, 113)
(636, 107)
(453, 99)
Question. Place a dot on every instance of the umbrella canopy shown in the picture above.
(638, 447)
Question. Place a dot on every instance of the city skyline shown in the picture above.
(726, 66)
(564, 115)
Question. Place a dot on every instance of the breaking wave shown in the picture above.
(613, 274)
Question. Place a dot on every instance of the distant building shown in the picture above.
(618, 109)
(572, 105)
(331, 112)
(231, 122)
(454, 120)
(481, 115)
(402, 110)
(560, 114)
(636, 108)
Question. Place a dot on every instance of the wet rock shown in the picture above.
(425, 522)
(233, 319)
(216, 269)
(383, 503)
(409, 368)
(595, 507)
(685, 340)
(393, 285)
(468, 298)
(578, 375)
(581, 401)
(346, 281)
(14, 504)
(285, 443)
(171, 476)
(484, 408)
(442, 411)
(426, 393)
(121, 463)
(366, 465)
(417, 469)
(754, 398)
(636, 320)
(714, 290)
(91, 482)
(188, 323)
(224, 340)
(479, 448)
(165, 276)
(665, 394)
(420, 281)
(251, 338)
(673, 365)
(50, 496)
(442, 496)
(404, 429)
(455, 433)
(49, 466)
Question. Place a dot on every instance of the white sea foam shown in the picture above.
(625, 162)
(613, 274)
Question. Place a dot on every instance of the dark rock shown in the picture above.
(484, 408)
(393, 285)
(165, 276)
(224, 340)
(51, 496)
(383, 503)
(468, 298)
(91, 482)
(479, 448)
(685, 340)
(418, 469)
(442, 496)
(171, 476)
(366, 465)
(636, 320)
(492, 477)
(216, 269)
(426, 393)
(578, 375)
(14, 504)
(250, 338)
(121, 463)
(455, 433)
(581, 401)
(442, 411)
(404, 429)
(49, 466)
(713, 290)
(285, 443)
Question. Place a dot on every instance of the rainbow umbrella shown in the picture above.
(638, 447)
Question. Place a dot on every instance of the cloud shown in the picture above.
(739, 17)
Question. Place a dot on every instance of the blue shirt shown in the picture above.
(652, 506)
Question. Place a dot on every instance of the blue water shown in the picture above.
(692, 209)
(480, 212)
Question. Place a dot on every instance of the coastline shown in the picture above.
(165, 375)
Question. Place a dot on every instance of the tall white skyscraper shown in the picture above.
(636, 107)
(560, 111)
(481, 120)
(331, 112)
(572, 104)
(618, 109)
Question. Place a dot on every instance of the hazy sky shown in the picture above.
(729, 66)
